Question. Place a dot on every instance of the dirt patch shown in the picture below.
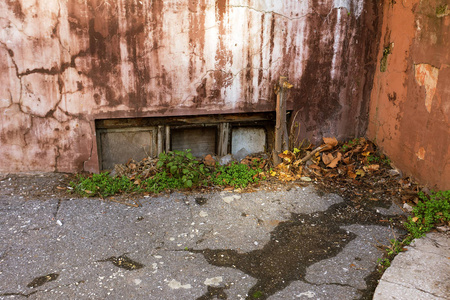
(35, 186)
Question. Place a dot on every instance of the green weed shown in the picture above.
(386, 52)
(442, 11)
(376, 159)
(257, 294)
(384, 263)
(350, 144)
(175, 170)
(161, 182)
(182, 165)
(429, 212)
(237, 175)
(102, 185)
(371, 159)
(395, 247)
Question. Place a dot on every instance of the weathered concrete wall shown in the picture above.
(66, 63)
(410, 107)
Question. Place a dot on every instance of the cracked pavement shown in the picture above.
(284, 244)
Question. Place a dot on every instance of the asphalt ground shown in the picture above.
(290, 243)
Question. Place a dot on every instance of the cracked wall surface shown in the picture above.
(65, 64)
(410, 105)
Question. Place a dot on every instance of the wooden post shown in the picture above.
(167, 138)
(224, 134)
(160, 139)
(283, 98)
(281, 134)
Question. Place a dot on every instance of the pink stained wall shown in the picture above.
(65, 64)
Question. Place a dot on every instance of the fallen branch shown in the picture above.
(311, 154)
(292, 140)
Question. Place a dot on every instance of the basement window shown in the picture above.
(252, 139)
(119, 140)
(117, 146)
(201, 140)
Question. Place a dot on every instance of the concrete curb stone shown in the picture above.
(422, 272)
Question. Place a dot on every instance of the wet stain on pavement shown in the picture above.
(123, 262)
(201, 200)
(294, 246)
(18, 294)
(44, 280)
(214, 293)
(38, 281)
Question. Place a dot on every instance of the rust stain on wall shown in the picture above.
(66, 63)
(16, 7)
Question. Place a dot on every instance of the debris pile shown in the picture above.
(144, 169)
(354, 169)
(352, 159)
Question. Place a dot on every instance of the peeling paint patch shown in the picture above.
(427, 75)
(215, 281)
(357, 6)
(421, 153)
(4, 103)
(175, 285)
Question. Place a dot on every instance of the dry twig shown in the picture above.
(311, 154)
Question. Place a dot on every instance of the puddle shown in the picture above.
(214, 293)
(123, 262)
(38, 281)
(294, 246)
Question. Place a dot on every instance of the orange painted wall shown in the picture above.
(410, 100)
